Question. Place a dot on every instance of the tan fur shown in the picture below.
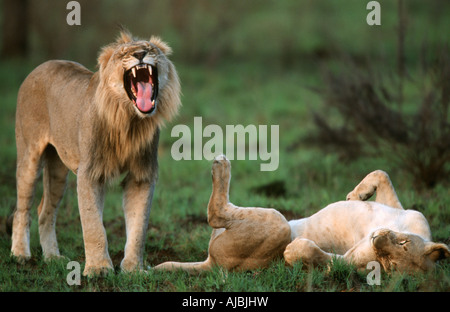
(69, 118)
(356, 231)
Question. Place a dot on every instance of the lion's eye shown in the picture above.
(403, 242)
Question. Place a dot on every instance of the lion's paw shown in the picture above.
(97, 271)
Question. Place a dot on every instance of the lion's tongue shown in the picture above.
(144, 96)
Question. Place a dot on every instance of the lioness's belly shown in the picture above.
(339, 226)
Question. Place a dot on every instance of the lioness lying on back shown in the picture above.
(357, 231)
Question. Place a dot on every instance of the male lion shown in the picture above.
(248, 238)
(97, 125)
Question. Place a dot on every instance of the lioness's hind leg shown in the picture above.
(377, 181)
(55, 176)
(218, 206)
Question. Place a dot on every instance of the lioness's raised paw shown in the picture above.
(358, 195)
(220, 157)
(221, 167)
(363, 191)
(221, 160)
(369, 185)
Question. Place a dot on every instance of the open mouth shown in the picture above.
(141, 84)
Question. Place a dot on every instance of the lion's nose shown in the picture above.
(140, 55)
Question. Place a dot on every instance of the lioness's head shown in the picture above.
(139, 73)
(406, 252)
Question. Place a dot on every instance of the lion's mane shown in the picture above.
(124, 140)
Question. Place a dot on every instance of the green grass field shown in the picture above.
(255, 90)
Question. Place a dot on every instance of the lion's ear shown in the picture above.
(104, 56)
(124, 36)
(164, 47)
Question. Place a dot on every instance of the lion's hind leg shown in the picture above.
(55, 176)
(377, 181)
(29, 162)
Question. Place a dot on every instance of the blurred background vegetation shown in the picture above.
(210, 32)
(300, 44)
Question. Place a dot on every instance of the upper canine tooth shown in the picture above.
(134, 71)
(150, 70)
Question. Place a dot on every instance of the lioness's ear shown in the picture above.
(437, 251)
(164, 47)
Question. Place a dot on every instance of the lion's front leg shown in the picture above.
(90, 203)
(137, 202)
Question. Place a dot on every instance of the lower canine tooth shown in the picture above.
(134, 72)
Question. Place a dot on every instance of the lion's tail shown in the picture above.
(191, 267)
